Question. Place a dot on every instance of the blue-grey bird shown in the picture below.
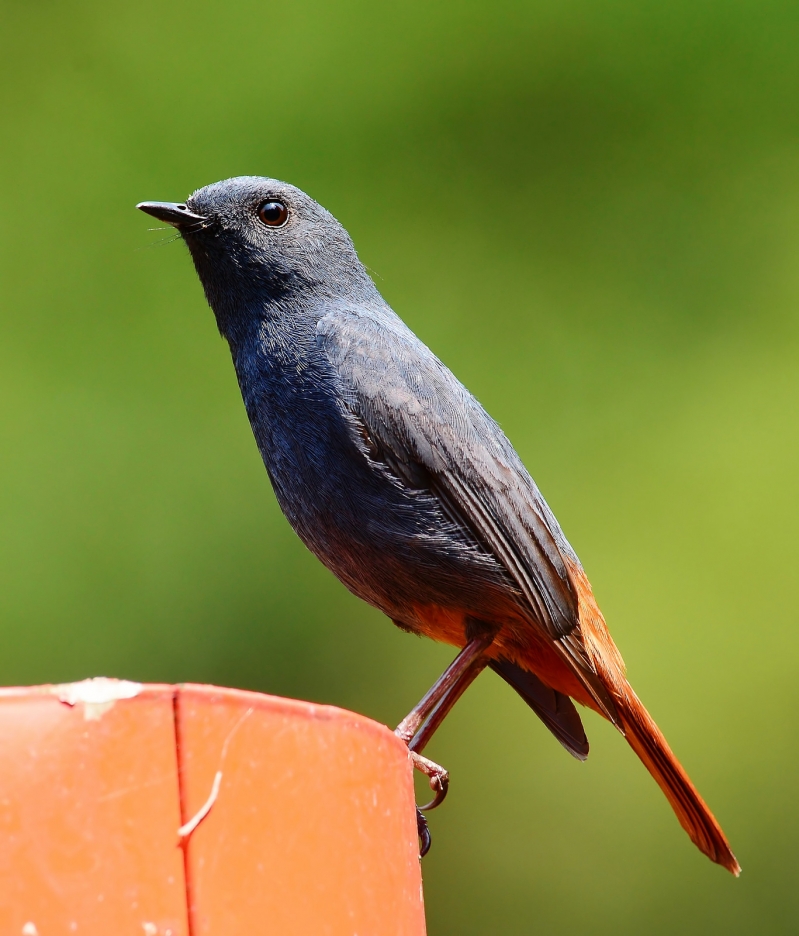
(397, 479)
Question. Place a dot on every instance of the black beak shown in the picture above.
(176, 215)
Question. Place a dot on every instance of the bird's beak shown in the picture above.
(176, 215)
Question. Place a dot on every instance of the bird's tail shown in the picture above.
(646, 739)
(644, 736)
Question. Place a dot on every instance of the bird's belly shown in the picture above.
(392, 547)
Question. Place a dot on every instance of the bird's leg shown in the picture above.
(418, 726)
(439, 777)
(435, 695)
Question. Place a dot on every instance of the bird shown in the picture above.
(398, 480)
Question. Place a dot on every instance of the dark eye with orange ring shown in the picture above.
(273, 213)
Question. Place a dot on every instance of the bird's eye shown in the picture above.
(273, 213)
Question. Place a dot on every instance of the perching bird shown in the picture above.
(398, 480)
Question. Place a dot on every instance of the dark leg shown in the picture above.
(418, 727)
(449, 679)
(419, 741)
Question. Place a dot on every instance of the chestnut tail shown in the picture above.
(646, 739)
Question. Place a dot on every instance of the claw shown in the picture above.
(439, 784)
(423, 832)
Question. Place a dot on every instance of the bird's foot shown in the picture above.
(437, 776)
(439, 784)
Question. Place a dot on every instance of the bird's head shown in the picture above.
(259, 244)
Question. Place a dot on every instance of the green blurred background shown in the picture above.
(590, 210)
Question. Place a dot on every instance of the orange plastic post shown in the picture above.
(197, 811)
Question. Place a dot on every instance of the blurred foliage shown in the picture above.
(589, 210)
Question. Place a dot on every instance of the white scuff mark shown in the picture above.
(188, 827)
(150, 929)
(29, 929)
(185, 830)
(98, 695)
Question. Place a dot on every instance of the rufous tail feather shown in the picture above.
(646, 739)
(644, 736)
